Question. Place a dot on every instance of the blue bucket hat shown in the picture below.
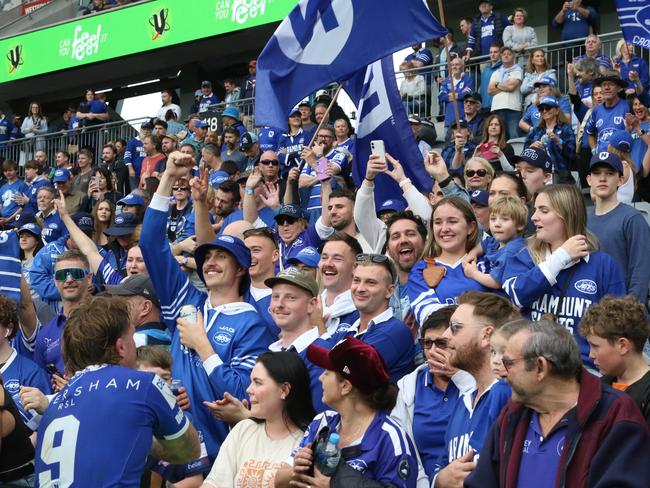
(308, 256)
(230, 244)
(231, 112)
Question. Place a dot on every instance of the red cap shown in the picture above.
(355, 360)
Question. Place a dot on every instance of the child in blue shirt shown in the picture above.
(508, 219)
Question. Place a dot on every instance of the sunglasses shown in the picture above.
(179, 188)
(479, 172)
(454, 326)
(544, 108)
(473, 102)
(272, 162)
(286, 220)
(440, 343)
(377, 259)
(75, 273)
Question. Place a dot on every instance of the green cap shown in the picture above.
(294, 276)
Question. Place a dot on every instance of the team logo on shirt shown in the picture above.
(403, 469)
(586, 286)
(358, 464)
(15, 57)
(222, 338)
(159, 23)
(12, 386)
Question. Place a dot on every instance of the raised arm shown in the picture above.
(251, 213)
(202, 226)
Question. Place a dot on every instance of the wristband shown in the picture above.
(371, 180)
(249, 191)
(445, 182)
(404, 182)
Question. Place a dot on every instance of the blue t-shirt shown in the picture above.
(47, 349)
(575, 24)
(497, 257)
(593, 278)
(203, 103)
(54, 228)
(540, 456)
(603, 118)
(6, 130)
(77, 446)
(432, 408)
(269, 138)
(134, 155)
(639, 147)
(384, 454)
(7, 193)
(468, 426)
(335, 157)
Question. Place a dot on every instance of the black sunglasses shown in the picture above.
(440, 343)
(544, 108)
(286, 220)
(179, 188)
(75, 273)
(479, 172)
(273, 162)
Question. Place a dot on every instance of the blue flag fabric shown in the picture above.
(10, 269)
(634, 17)
(322, 41)
(382, 116)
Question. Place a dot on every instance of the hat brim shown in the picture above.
(35, 234)
(614, 79)
(202, 250)
(120, 291)
(119, 231)
(320, 356)
(296, 260)
(130, 204)
(274, 280)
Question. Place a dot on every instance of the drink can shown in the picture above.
(188, 312)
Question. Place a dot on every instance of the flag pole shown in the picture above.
(451, 78)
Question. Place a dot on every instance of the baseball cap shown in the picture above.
(201, 124)
(217, 178)
(32, 228)
(230, 244)
(294, 110)
(537, 157)
(61, 175)
(146, 126)
(247, 140)
(462, 123)
(137, 285)
(473, 96)
(308, 256)
(132, 199)
(231, 112)
(545, 80)
(293, 211)
(355, 360)
(479, 197)
(205, 83)
(304, 103)
(294, 276)
(391, 205)
(84, 221)
(549, 102)
(123, 225)
(620, 140)
(606, 158)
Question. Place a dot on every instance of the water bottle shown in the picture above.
(328, 455)
(545, 140)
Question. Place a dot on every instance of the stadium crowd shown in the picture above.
(205, 309)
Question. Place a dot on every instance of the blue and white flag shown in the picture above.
(322, 41)
(634, 17)
(10, 268)
(382, 116)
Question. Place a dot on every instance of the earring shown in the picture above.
(283, 396)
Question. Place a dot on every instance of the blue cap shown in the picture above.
(308, 256)
(132, 199)
(206, 83)
(231, 112)
(247, 140)
(24, 217)
(549, 102)
(607, 158)
(479, 197)
(61, 175)
(84, 221)
(123, 225)
(537, 157)
(392, 205)
(294, 110)
(201, 124)
(216, 178)
(545, 80)
(293, 211)
(621, 140)
(32, 229)
(230, 244)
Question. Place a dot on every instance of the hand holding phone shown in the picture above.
(321, 169)
(378, 148)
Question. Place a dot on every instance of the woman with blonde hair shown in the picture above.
(560, 272)
(438, 278)
(519, 36)
(633, 69)
(478, 174)
(493, 147)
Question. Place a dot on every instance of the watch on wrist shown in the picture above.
(249, 191)
(445, 182)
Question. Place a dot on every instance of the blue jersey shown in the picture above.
(576, 25)
(53, 228)
(7, 193)
(461, 88)
(78, 447)
(204, 102)
(335, 157)
(530, 289)
(32, 193)
(385, 453)
(497, 257)
(269, 138)
(583, 90)
(47, 349)
(6, 130)
(134, 155)
(41, 275)
(635, 64)
(309, 237)
(603, 118)
(603, 60)
(425, 300)
(392, 339)
(10, 268)
(468, 426)
(235, 331)
(290, 147)
(639, 147)
(260, 298)
(432, 408)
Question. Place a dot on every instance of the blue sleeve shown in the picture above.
(170, 282)
(396, 464)
(424, 299)
(38, 378)
(637, 236)
(644, 74)
(590, 126)
(523, 281)
(613, 277)
(443, 95)
(234, 376)
(108, 273)
(473, 35)
(41, 276)
(169, 420)
(128, 152)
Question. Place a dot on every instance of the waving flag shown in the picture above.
(634, 17)
(382, 116)
(322, 41)
(10, 269)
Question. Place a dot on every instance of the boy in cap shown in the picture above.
(535, 169)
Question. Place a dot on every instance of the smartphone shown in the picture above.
(378, 148)
(321, 169)
(51, 369)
